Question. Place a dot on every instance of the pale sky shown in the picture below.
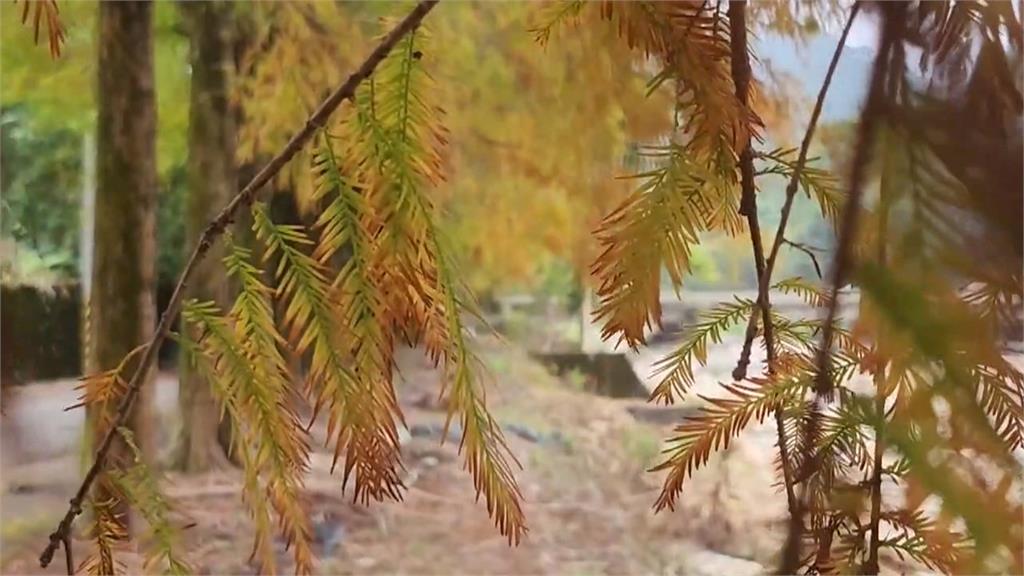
(864, 32)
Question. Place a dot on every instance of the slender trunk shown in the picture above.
(211, 182)
(244, 30)
(122, 303)
(748, 207)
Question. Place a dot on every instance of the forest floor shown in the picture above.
(587, 494)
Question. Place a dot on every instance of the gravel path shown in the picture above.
(36, 427)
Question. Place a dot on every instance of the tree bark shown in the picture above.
(211, 183)
(122, 300)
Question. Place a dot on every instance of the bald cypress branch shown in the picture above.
(213, 232)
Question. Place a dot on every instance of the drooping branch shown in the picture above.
(873, 111)
(881, 390)
(765, 279)
(211, 234)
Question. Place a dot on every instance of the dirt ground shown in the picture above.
(584, 460)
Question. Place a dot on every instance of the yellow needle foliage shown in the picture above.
(109, 535)
(39, 12)
(516, 116)
(655, 227)
(374, 268)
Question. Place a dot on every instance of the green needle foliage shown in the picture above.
(676, 369)
(270, 440)
(817, 183)
(142, 490)
(396, 281)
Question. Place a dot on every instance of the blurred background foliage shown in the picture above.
(538, 136)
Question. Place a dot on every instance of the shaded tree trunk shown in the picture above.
(211, 183)
(244, 29)
(122, 304)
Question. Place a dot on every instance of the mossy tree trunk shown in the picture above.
(212, 175)
(122, 300)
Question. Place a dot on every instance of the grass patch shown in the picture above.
(576, 379)
(17, 533)
(642, 444)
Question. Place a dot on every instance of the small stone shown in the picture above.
(421, 431)
(23, 489)
(523, 432)
(403, 436)
(704, 562)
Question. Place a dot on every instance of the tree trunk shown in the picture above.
(122, 303)
(244, 29)
(211, 183)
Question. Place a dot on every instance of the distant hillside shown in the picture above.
(725, 267)
(809, 62)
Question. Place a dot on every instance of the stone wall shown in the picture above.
(39, 333)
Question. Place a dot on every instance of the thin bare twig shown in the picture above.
(68, 555)
(873, 111)
(764, 272)
(764, 280)
(809, 251)
(748, 199)
(210, 235)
